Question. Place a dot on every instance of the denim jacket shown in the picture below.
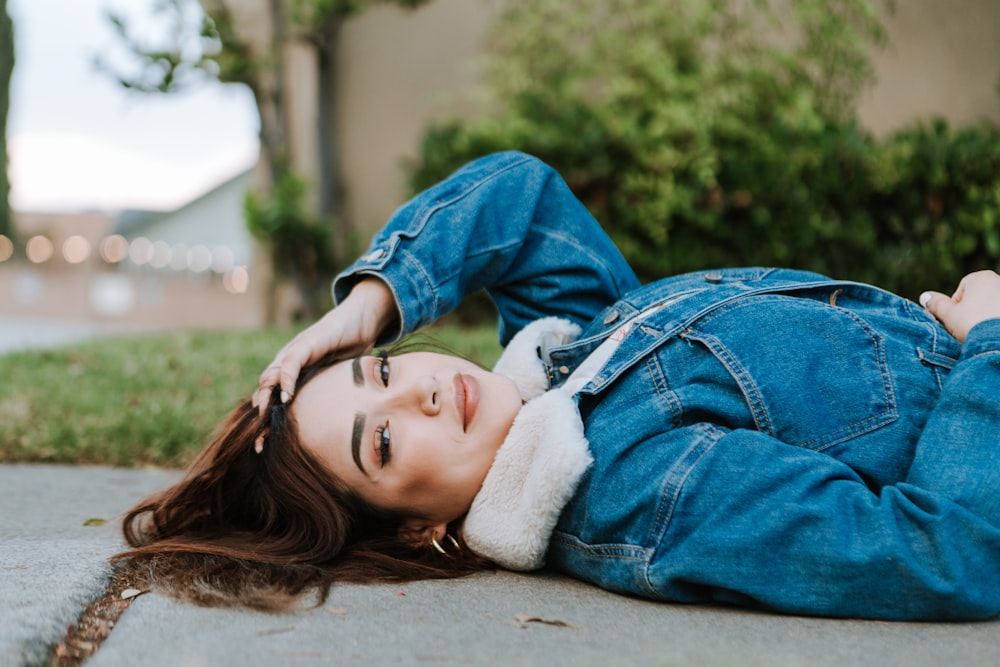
(762, 437)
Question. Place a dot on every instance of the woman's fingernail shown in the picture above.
(925, 299)
(284, 397)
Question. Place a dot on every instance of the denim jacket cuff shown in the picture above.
(412, 289)
(982, 338)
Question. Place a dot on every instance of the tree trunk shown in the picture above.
(266, 78)
(6, 70)
(267, 84)
(331, 200)
(277, 129)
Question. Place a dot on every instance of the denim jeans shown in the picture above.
(769, 438)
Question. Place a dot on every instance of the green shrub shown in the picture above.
(697, 144)
(936, 205)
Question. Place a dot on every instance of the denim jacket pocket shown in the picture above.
(811, 375)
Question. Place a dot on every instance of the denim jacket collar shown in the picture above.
(539, 464)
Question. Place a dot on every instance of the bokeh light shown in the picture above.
(140, 251)
(222, 259)
(114, 249)
(179, 257)
(199, 258)
(76, 249)
(112, 295)
(6, 248)
(39, 249)
(161, 255)
(236, 281)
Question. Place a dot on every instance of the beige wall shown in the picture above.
(399, 70)
(943, 60)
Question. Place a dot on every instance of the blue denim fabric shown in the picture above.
(508, 224)
(770, 438)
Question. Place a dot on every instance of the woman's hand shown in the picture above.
(976, 300)
(351, 328)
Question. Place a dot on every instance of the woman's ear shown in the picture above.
(420, 532)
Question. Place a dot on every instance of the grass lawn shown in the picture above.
(149, 400)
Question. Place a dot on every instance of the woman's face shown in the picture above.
(414, 434)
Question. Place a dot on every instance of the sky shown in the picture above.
(77, 141)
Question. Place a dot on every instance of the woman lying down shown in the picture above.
(761, 437)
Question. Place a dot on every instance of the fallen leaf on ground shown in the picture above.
(523, 620)
(95, 521)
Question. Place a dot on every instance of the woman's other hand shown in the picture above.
(351, 328)
(976, 300)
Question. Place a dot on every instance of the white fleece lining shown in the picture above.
(520, 361)
(534, 475)
(539, 464)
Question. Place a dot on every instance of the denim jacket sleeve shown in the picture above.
(959, 451)
(507, 223)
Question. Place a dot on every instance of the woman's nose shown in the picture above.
(423, 394)
(430, 397)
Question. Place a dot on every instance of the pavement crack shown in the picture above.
(84, 637)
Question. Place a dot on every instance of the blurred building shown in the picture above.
(211, 226)
(191, 267)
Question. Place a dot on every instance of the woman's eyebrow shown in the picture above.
(359, 378)
(359, 418)
(356, 433)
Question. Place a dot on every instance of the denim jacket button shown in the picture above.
(564, 369)
(713, 277)
(611, 317)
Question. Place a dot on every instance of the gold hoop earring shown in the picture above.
(437, 545)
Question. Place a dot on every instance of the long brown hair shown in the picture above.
(262, 529)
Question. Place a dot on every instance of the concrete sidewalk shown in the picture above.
(52, 565)
(22, 333)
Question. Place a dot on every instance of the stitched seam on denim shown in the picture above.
(751, 394)
(939, 374)
(466, 188)
(607, 550)
(489, 250)
(597, 259)
(663, 389)
(427, 211)
(674, 483)
(889, 392)
(416, 274)
(665, 511)
(936, 360)
(624, 358)
(873, 422)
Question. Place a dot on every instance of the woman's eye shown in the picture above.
(383, 369)
(384, 442)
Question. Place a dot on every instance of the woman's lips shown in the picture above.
(466, 398)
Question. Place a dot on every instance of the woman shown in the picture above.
(761, 437)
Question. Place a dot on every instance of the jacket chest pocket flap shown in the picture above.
(812, 375)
